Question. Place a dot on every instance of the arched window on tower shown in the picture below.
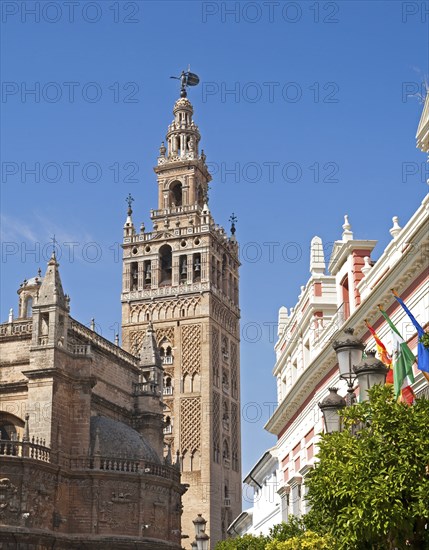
(168, 427)
(225, 452)
(183, 268)
(196, 267)
(166, 352)
(28, 309)
(147, 273)
(165, 260)
(134, 276)
(175, 194)
(167, 387)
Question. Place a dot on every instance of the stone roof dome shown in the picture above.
(183, 103)
(116, 439)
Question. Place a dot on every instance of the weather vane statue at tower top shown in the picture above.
(186, 79)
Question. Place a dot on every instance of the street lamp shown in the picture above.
(369, 372)
(330, 407)
(202, 541)
(201, 537)
(349, 350)
(200, 524)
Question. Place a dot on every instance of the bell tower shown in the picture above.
(182, 278)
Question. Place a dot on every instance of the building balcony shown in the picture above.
(168, 430)
(167, 390)
(16, 328)
(23, 450)
(167, 359)
(174, 210)
(142, 388)
(227, 502)
(35, 449)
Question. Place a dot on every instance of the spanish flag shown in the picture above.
(383, 354)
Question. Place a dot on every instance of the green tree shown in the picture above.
(370, 488)
(309, 540)
(284, 536)
(246, 542)
(285, 531)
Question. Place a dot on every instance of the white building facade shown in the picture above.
(261, 486)
(343, 298)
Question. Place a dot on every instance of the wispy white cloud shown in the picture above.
(15, 230)
(41, 230)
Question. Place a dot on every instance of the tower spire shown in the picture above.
(51, 289)
(129, 225)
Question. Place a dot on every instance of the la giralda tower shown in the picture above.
(183, 278)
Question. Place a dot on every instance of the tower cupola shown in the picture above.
(183, 135)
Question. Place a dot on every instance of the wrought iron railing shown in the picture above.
(424, 392)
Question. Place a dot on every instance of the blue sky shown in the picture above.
(322, 122)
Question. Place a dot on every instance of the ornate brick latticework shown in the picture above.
(168, 309)
(191, 349)
(136, 340)
(215, 356)
(216, 427)
(136, 337)
(235, 443)
(225, 317)
(190, 424)
(165, 332)
(234, 369)
(182, 276)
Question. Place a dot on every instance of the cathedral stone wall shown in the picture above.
(81, 426)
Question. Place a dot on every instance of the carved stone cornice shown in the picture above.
(12, 387)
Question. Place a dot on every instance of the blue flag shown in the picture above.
(422, 351)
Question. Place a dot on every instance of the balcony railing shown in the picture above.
(17, 328)
(122, 463)
(168, 429)
(167, 390)
(227, 502)
(79, 349)
(35, 449)
(174, 210)
(424, 392)
(141, 388)
(167, 359)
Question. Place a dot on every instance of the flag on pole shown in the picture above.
(422, 350)
(403, 361)
(383, 353)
